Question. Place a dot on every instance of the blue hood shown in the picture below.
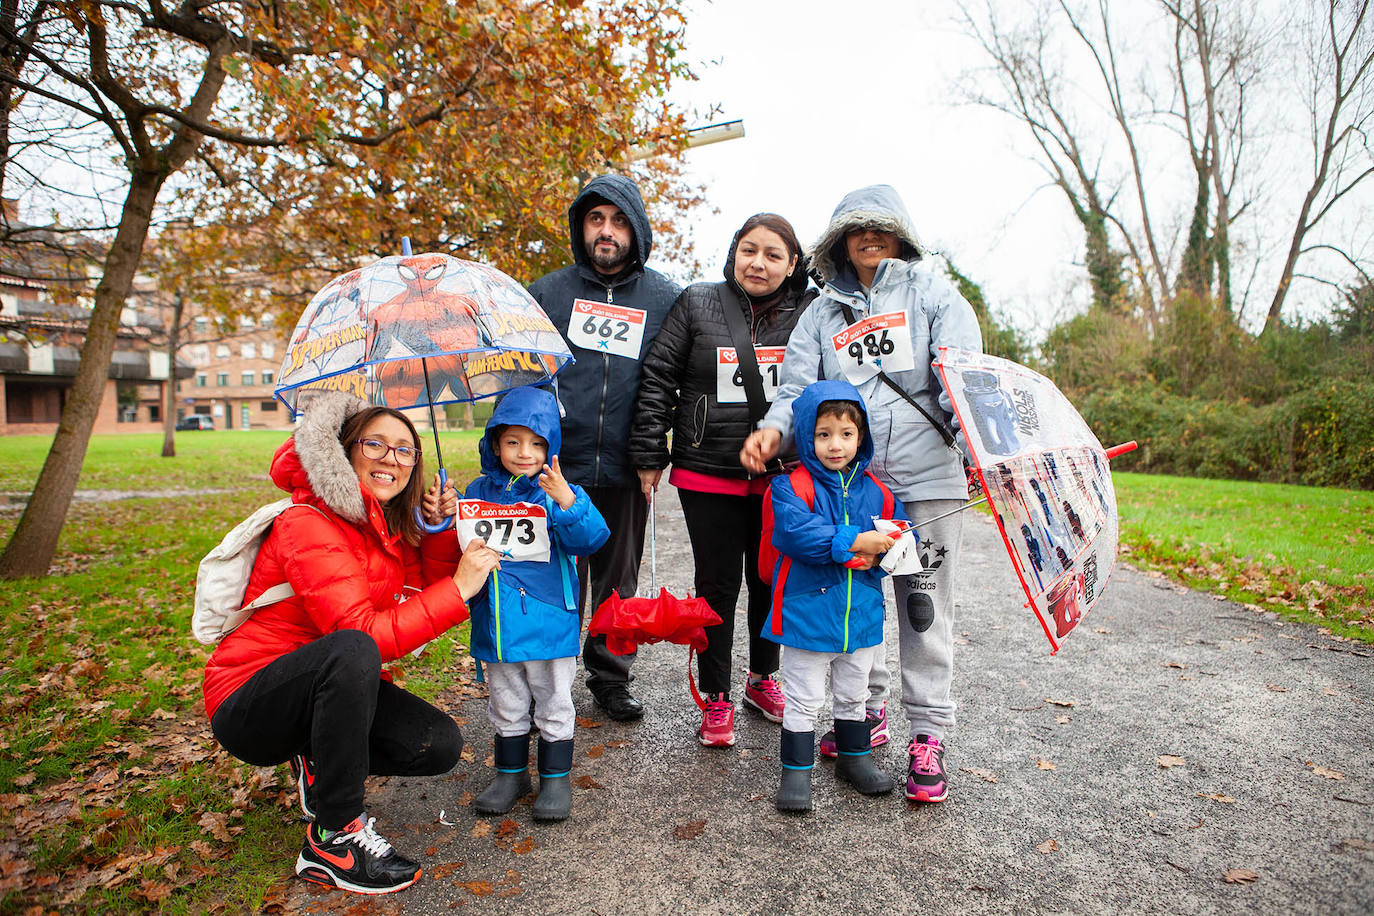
(532, 407)
(804, 424)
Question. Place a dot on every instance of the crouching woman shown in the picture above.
(301, 680)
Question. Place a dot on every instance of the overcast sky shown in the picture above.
(835, 96)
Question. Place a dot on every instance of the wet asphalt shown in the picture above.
(1180, 754)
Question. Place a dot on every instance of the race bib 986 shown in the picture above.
(518, 531)
(878, 343)
(606, 328)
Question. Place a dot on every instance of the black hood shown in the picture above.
(623, 193)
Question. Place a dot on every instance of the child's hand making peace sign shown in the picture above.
(552, 482)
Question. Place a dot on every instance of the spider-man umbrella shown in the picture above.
(1047, 479)
(420, 330)
(630, 622)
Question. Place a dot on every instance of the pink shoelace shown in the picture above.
(925, 757)
(717, 712)
(770, 688)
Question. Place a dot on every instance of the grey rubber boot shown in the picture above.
(855, 762)
(555, 781)
(512, 776)
(798, 757)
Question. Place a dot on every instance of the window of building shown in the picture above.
(246, 321)
(267, 321)
(268, 407)
(267, 376)
(201, 324)
(201, 380)
(269, 350)
(222, 379)
(249, 351)
(200, 355)
(247, 378)
(222, 351)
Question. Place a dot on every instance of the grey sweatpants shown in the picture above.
(511, 685)
(803, 684)
(925, 624)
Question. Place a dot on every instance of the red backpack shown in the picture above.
(805, 488)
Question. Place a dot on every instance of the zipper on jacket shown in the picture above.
(849, 573)
(496, 611)
(523, 608)
(601, 413)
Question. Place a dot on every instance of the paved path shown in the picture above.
(1174, 738)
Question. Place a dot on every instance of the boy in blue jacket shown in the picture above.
(828, 594)
(525, 622)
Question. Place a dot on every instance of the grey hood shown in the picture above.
(877, 205)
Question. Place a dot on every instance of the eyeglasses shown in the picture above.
(406, 455)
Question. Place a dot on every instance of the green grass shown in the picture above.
(107, 765)
(1305, 552)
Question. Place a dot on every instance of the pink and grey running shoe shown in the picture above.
(765, 695)
(877, 730)
(925, 779)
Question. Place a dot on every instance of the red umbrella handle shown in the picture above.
(1121, 449)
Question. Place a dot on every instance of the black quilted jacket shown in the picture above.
(677, 386)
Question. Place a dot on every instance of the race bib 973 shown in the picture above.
(878, 343)
(606, 328)
(518, 531)
(730, 378)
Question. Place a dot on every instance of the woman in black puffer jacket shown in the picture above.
(691, 383)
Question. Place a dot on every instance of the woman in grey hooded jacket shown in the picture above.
(879, 322)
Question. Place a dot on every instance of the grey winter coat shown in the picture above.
(910, 455)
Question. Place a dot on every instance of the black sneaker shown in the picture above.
(356, 859)
(304, 771)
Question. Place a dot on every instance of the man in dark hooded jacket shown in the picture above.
(609, 306)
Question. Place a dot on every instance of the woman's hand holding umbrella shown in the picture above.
(477, 563)
(648, 481)
(440, 502)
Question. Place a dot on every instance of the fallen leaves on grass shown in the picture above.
(1169, 760)
(690, 830)
(1240, 876)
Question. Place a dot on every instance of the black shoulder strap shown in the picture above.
(748, 361)
(940, 428)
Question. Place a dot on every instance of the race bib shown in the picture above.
(606, 328)
(878, 343)
(730, 379)
(518, 531)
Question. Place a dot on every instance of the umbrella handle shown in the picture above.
(425, 526)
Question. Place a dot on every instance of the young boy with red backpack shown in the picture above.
(827, 587)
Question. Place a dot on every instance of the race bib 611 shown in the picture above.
(606, 328)
(518, 531)
(730, 378)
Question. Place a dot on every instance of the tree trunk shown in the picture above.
(169, 419)
(34, 542)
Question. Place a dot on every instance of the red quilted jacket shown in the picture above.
(347, 575)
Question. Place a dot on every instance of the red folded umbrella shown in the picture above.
(630, 622)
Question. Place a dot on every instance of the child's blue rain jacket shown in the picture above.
(827, 607)
(527, 610)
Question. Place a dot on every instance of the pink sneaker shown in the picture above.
(718, 722)
(877, 725)
(925, 780)
(765, 695)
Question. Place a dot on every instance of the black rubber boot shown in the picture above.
(512, 776)
(555, 784)
(855, 762)
(798, 757)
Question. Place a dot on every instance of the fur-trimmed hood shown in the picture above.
(879, 206)
(314, 459)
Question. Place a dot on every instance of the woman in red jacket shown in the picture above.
(301, 680)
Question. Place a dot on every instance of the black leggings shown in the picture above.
(724, 531)
(327, 700)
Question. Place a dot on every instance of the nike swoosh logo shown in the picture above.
(344, 862)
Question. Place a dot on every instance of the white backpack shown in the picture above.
(223, 576)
